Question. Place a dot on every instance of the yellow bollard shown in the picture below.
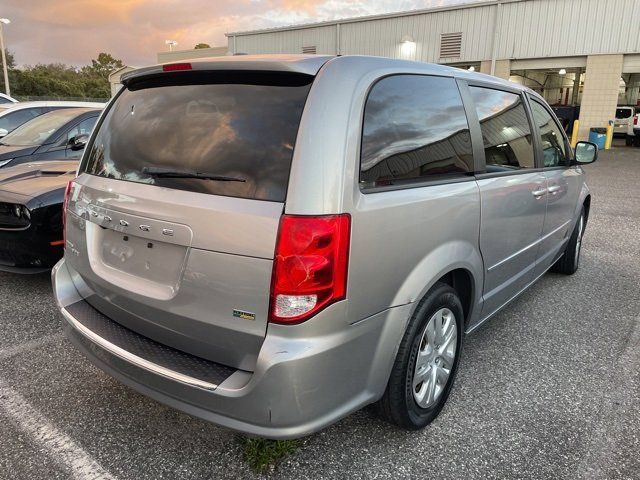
(574, 133)
(609, 139)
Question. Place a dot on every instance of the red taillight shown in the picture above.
(176, 67)
(635, 120)
(65, 204)
(310, 266)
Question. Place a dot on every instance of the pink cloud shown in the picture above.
(74, 31)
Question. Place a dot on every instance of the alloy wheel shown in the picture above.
(579, 239)
(436, 357)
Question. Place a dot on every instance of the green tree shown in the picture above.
(104, 65)
(52, 80)
(11, 61)
(11, 64)
(202, 45)
(57, 80)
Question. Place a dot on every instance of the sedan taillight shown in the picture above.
(65, 204)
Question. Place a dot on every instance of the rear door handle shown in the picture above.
(539, 193)
(554, 189)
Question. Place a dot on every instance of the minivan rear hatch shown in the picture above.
(172, 222)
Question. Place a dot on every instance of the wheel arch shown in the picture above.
(587, 207)
(462, 281)
(457, 264)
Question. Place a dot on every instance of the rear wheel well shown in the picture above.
(461, 281)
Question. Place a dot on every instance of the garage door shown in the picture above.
(631, 64)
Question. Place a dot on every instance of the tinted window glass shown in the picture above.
(235, 125)
(505, 130)
(553, 146)
(13, 120)
(415, 129)
(622, 113)
(40, 130)
(83, 128)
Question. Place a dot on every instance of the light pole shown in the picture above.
(171, 44)
(4, 21)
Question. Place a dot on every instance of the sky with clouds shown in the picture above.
(74, 31)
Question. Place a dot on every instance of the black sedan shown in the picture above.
(51, 136)
(31, 196)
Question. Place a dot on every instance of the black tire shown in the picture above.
(570, 261)
(628, 140)
(398, 404)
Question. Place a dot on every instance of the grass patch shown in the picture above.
(264, 455)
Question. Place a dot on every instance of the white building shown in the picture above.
(115, 76)
(574, 52)
(177, 55)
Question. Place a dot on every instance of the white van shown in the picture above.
(624, 116)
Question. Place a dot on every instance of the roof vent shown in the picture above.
(310, 50)
(450, 45)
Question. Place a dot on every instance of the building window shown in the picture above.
(451, 45)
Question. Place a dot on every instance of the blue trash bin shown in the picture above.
(598, 136)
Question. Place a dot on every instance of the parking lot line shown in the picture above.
(29, 345)
(62, 449)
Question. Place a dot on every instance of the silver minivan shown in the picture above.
(273, 242)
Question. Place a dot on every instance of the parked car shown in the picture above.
(633, 131)
(31, 196)
(12, 115)
(624, 117)
(273, 242)
(4, 99)
(59, 134)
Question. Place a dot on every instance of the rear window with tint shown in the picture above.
(622, 113)
(226, 124)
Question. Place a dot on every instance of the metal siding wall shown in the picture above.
(290, 41)
(382, 37)
(542, 28)
(528, 29)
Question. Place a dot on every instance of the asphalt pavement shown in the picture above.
(547, 389)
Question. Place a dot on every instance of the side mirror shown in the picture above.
(586, 152)
(79, 141)
(3, 132)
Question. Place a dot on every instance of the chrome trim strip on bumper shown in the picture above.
(134, 359)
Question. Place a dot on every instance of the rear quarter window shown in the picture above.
(239, 125)
(414, 130)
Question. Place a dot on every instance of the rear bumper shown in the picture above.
(300, 385)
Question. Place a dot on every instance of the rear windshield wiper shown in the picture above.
(160, 172)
